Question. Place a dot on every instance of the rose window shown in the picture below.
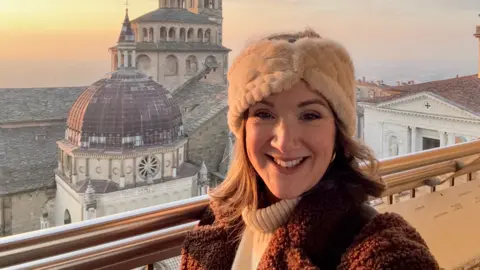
(148, 166)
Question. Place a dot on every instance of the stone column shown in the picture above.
(134, 57)
(125, 58)
(450, 138)
(119, 58)
(443, 142)
(413, 145)
(122, 173)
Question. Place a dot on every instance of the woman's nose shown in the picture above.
(285, 137)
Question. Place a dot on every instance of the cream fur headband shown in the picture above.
(272, 66)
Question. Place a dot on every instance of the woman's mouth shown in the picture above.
(287, 165)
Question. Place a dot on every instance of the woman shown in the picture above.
(294, 196)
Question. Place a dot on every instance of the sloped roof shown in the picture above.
(174, 15)
(462, 91)
(36, 104)
(13, 181)
(200, 101)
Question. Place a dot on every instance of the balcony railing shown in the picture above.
(143, 237)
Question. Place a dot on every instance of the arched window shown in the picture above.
(191, 65)
(163, 34)
(200, 35)
(211, 61)
(151, 37)
(171, 65)
(190, 35)
(183, 35)
(209, 4)
(143, 63)
(172, 35)
(145, 35)
(208, 36)
(67, 219)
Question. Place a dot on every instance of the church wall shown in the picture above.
(21, 212)
(170, 77)
(116, 168)
(30, 148)
(135, 198)
(167, 164)
(379, 125)
(98, 168)
(208, 142)
(67, 199)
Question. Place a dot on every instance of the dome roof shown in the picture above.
(126, 109)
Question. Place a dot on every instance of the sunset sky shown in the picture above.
(64, 42)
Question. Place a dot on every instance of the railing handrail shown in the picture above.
(57, 240)
(44, 243)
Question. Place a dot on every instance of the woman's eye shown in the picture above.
(311, 116)
(263, 115)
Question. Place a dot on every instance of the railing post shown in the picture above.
(412, 193)
(149, 267)
(452, 182)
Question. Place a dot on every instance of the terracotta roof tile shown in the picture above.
(462, 91)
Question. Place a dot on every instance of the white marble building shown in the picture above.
(415, 122)
(422, 116)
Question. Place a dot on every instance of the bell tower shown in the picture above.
(210, 8)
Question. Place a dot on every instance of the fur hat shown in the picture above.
(275, 64)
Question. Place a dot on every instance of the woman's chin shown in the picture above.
(285, 194)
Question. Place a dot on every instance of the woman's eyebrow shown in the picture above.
(310, 102)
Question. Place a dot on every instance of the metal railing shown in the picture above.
(143, 237)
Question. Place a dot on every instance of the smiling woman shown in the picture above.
(294, 196)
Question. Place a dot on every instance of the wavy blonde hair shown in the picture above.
(240, 188)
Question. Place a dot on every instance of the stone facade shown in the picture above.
(173, 69)
(176, 42)
(416, 123)
(21, 212)
(209, 141)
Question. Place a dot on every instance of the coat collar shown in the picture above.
(304, 236)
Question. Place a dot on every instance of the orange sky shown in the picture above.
(40, 38)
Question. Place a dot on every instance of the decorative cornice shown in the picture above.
(433, 116)
(423, 95)
(78, 152)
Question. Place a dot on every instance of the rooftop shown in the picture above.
(124, 107)
(36, 104)
(462, 91)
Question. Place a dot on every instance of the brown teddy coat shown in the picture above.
(317, 229)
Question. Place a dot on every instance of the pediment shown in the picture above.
(427, 103)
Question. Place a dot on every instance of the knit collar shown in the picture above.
(268, 219)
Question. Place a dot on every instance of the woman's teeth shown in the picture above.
(288, 164)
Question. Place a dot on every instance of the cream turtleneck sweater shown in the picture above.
(260, 225)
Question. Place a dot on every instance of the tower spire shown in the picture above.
(126, 43)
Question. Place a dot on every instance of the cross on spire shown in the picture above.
(126, 4)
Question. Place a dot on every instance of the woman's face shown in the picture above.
(290, 139)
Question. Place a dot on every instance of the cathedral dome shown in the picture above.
(126, 109)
